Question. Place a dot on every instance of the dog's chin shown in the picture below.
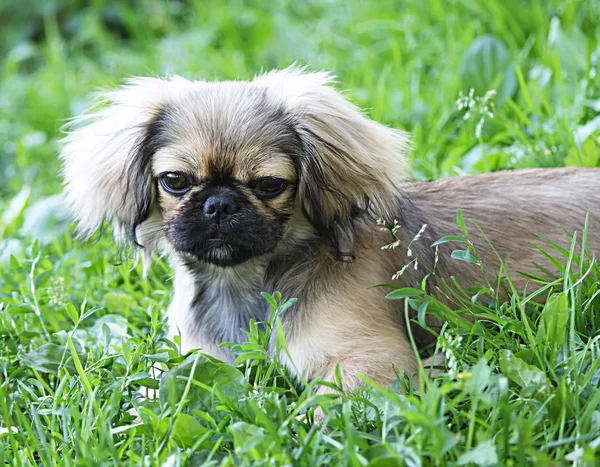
(223, 254)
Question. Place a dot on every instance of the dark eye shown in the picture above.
(269, 186)
(175, 183)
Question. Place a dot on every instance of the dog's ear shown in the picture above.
(350, 163)
(107, 156)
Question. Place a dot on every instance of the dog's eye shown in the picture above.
(269, 186)
(175, 183)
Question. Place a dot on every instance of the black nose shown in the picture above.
(218, 207)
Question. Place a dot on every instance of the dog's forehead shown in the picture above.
(228, 129)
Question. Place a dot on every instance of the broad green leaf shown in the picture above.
(42, 278)
(570, 47)
(449, 238)
(209, 374)
(487, 65)
(554, 319)
(185, 432)
(250, 440)
(158, 357)
(256, 356)
(482, 291)
(291, 302)
(483, 454)
(480, 378)
(72, 312)
(118, 302)
(460, 221)
(420, 306)
(269, 298)
(452, 316)
(144, 379)
(116, 325)
(519, 372)
(464, 255)
(405, 292)
(48, 358)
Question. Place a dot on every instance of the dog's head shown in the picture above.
(226, 171)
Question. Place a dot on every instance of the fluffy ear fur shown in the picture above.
(107, 157)
(351, 163)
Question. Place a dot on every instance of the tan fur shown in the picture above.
(344, 170)
(512, 209)
(356, 329)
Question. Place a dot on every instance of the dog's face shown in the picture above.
(223, 172)
(226, 175)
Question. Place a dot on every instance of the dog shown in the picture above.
(276, 184)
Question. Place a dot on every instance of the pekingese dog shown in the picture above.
(275, 185)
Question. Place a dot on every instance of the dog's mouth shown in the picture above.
(223, 253)
(225, 245)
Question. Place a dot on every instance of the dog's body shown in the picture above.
(275, 185)
(339, 319)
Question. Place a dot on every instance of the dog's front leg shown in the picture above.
(381, 369)
(372, 349)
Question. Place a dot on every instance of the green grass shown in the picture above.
(80, 328)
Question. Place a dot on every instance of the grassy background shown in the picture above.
(80, 329)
